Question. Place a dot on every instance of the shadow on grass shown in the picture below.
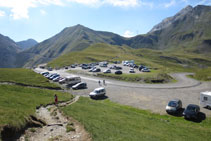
(100, 98)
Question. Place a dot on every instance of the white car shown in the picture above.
(107, 71)
(131, 70)
(98, 92)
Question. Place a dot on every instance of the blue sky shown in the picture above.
(41, 19)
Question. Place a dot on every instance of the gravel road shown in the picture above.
(153, 97)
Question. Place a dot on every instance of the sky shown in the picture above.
(42, 19)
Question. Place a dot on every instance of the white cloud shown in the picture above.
(2, 13)
(116, 3)
(170, 4)
(20, 8)
(43, 12)
(122, 3)
(128, 34)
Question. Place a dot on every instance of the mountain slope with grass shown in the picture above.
(188, 32)
(164, 60)
(70, 39)
(8, 51)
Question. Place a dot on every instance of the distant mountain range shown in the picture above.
(26, 44)
(189, 30)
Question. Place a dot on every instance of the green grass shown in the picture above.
(106, 120)
(26, 77)
(149, 77)
(202, 74)
(17, 103)
(167, 61)
(155, 76)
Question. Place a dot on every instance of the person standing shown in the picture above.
(56, 99)
(99, 82)
(104, 82)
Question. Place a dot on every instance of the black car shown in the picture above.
(191, 112)
(118, 72)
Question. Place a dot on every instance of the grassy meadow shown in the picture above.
(26, 77)
(109, 121)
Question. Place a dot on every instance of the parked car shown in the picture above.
(191, 112)
(62, 81)
(145, 70)
(50, 69)
(57, 79)
(81, 85)
(44, 73)
(66, 67)
(174, 106)
(73, 66)
(131, 70)
(98, 92)
(53, 76)
(118, 72)
(107, 71)
(141, 67)
(91, 70)
(97, 70)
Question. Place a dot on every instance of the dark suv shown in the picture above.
(174, 106)
(191, 112)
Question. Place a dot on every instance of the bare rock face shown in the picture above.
(170, 20)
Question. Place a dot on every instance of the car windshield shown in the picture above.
(191, 108)
(172, 104)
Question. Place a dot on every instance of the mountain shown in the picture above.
(26, 44)
(70, 39)
(8, 51)
(187, 31)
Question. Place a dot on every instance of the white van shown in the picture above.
(72, 80)
(98, 92)
(205, 99)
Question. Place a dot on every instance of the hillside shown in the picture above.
(8, 51)
(188, 32)
(70, 39)
(164, 60)
(26, 44)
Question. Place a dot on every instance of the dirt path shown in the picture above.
(58, 127)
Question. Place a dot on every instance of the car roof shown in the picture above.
(177, 100)
(100, 88)
(193, 105)
(206, 93)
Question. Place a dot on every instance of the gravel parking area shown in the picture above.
(153, 97)
(125, 69)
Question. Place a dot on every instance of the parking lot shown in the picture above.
(153, 97)
(125, 69)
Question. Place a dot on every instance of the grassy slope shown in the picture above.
(203, 74)
(17, 103)
(165, 61)
(105, 120)
(25, 76)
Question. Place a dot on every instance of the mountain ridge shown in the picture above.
(188, 30)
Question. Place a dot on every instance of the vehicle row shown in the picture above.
(174, 107)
